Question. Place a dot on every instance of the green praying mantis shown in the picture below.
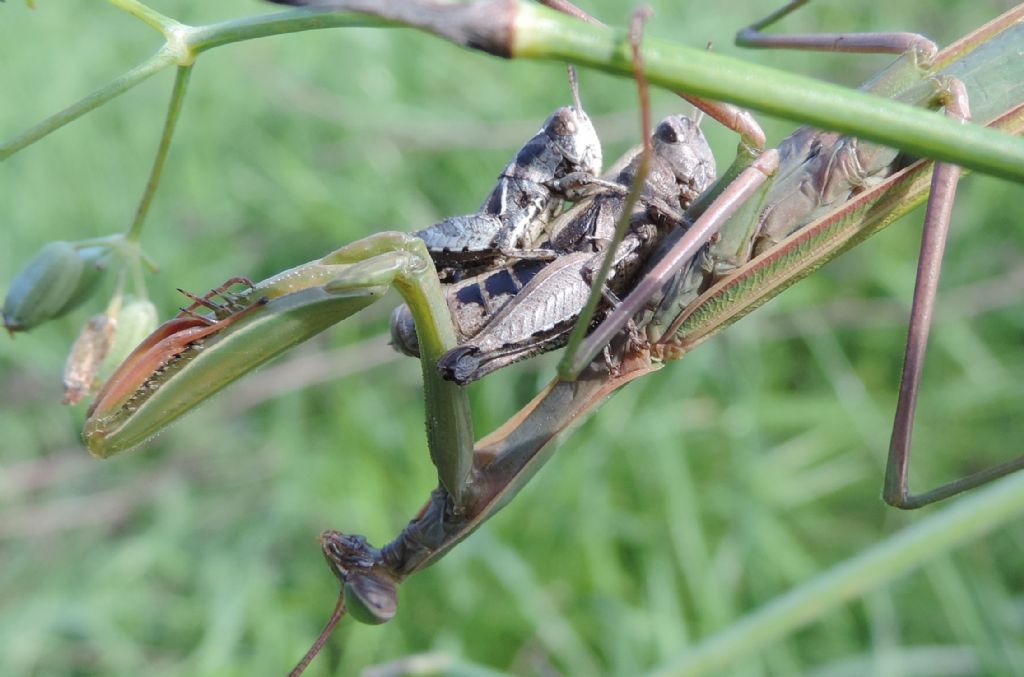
(199, 356)
(756, 253)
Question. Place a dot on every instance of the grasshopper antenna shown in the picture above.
(574, 85)
(336, 615)
(698, 114)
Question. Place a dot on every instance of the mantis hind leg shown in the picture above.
(896, 490)
(863, 43)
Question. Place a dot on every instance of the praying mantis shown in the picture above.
(474, 487)
(550, 398)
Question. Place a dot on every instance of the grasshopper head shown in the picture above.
(572, 132)
(680, 144)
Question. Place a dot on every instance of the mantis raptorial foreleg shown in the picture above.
(172, 371)
(402, 260)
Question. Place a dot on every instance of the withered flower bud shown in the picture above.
(86, 356)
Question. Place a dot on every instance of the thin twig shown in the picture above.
(97, 98)
(173, 112)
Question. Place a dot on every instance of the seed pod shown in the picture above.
(93, 265)
(86, 356)
(136, 320)
(55, 281)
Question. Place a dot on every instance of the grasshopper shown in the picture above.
(557, 163)
(543, 313)
(514, 313)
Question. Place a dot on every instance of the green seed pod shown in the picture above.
(87, 353)
(93, 265)
(136, 320)
(370, 599)
(55, 281)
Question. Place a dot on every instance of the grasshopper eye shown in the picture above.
(667, 132)
(563, 122)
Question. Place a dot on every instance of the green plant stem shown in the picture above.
(566, 368)
(150, 16)
(97, 98)
(202, 38)
(173, 111)
(183, 44)
(967, 519)
(541, 33)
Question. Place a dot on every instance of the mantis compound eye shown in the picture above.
(371, 595)
(371, 599)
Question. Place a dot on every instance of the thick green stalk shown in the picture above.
(965, 520)
(541, 33)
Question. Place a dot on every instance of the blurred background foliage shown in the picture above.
(691, 498)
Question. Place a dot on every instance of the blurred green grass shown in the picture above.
(691, 498)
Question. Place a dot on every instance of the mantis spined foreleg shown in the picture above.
(275, 315)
